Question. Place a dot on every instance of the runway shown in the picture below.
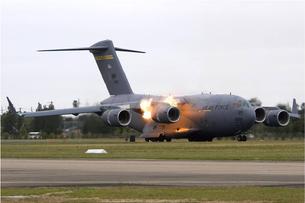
(38, 172)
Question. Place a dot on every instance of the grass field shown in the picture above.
(119, 149)
(181, 149)
(154, 194)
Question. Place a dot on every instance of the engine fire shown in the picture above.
(164, 111)
(146, 107)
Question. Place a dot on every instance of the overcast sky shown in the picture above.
(249, 48)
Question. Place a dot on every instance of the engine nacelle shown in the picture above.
(117, 117)
(277, 118)
(164, 113)
(260, 115)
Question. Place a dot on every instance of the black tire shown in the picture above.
(147, 139)
(210, 139)
(239, 138)
(244, 138)
(168, 139)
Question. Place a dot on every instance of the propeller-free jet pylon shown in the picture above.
(197, 118)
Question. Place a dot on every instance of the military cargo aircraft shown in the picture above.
(199, 117)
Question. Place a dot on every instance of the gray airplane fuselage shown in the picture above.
(203, 116)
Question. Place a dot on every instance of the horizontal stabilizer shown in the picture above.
(128, 50)
(77, 49)
(100, 48)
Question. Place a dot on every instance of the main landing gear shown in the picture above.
(158, 139)
(241, 138)
(200, 139)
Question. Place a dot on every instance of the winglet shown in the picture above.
(294, 107)
(11, 107)
(294, 111)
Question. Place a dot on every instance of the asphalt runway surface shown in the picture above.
(42, 172)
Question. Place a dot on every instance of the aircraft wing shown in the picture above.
(99, 109)
(294, 110)
(74, 111)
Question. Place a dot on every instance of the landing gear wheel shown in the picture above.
(168, 139)
(241, 138)
(147, 139)
(210, 139)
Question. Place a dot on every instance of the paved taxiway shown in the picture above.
(38, 172)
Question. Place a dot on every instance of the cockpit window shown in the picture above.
(246, 104)
(241, 104)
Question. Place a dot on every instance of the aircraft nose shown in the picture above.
(250, 118)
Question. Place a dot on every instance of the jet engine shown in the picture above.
(260, 115)
(164, 113)
(277, 118)
(117, 117)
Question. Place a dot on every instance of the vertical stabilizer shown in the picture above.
(111, 69)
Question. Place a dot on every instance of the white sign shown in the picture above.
(96, 151)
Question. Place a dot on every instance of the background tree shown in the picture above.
(47, 124)
(9, 124)
(255, 101)
(92, 125)
(301, 111)
(76, 103)
(284, 106)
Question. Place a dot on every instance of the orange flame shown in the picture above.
(171, 101)
(182, 130)
(145, 106)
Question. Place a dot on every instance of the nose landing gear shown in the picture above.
(241, 138)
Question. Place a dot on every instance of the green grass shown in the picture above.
(155, 194)
(119, 149)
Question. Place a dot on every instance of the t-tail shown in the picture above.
(109, 65)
